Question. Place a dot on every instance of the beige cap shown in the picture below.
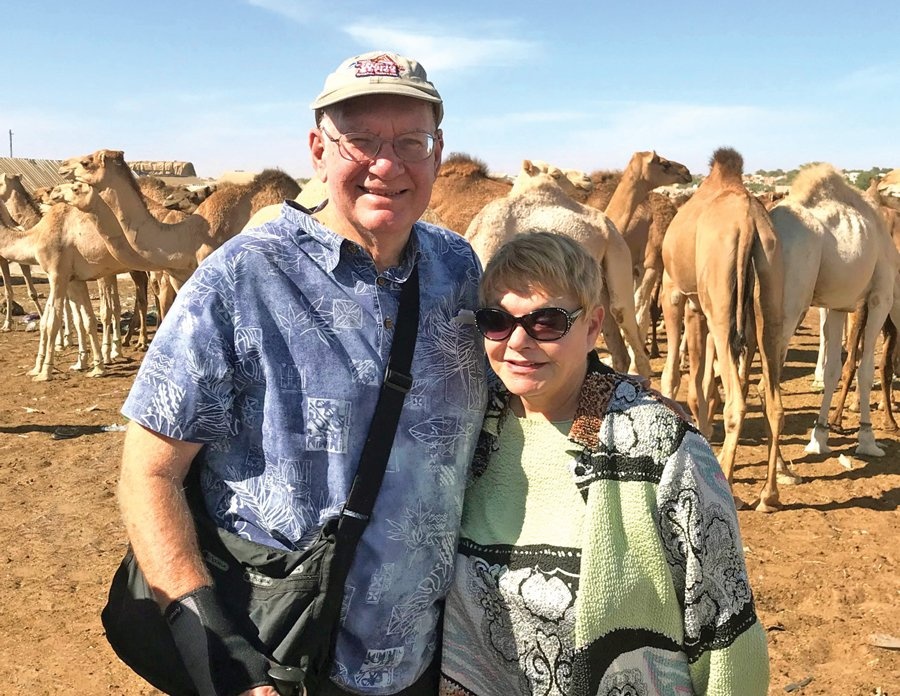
(379, 72)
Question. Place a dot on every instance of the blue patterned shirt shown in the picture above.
(273, 356)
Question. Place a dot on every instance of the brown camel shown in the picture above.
(462, 189)
(538, 201)
(179, 247)
(23, 211)
(630, 212)
(723, 259)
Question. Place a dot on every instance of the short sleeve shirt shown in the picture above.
(272, 356)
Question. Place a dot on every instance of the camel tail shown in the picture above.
(742, 296)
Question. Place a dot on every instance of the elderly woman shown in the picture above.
(599, 551)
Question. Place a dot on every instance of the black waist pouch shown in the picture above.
(282, 602)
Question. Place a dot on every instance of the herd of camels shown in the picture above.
(732, 274)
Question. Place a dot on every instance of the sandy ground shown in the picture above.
(824, 570)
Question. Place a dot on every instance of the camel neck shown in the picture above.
(625, 199)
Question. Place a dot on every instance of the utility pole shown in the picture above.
(10, 143)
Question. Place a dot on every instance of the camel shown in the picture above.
(858, 320)
(627, 207)
(462, 188)
(538, 201)
(63, 245)
(310, 197)
(837, 253)
(176, 248)
(22, 210)
(83, 197)
(735, 291)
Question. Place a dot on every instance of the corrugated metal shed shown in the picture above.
(35, 173)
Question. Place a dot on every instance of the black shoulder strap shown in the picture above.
(397, 381)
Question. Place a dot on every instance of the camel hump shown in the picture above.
(821, 182)
(728, 161)
(464, 165)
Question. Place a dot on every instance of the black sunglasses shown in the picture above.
(545, 324)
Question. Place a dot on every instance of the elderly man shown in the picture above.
(264, 378)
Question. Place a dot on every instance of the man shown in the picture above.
(265, 376)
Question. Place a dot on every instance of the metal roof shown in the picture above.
(35, 173)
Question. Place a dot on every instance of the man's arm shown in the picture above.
(157, 519)
(162, 534)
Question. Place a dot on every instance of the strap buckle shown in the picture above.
(398, 381)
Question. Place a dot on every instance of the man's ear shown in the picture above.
(438, 150)
(317, 153)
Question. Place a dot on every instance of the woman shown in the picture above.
(599, 549)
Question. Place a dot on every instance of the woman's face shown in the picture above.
(545, 375)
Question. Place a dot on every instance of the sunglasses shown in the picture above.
(545, 324)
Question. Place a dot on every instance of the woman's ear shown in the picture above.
(595, 321)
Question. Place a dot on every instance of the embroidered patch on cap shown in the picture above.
(380, 66)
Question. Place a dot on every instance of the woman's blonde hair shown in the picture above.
(543, 261)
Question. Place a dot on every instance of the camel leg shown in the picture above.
(768, 341)
(818, 381)
(612, 337)
(80, 331)
(29, 283)
(857, 323)
(695, 330)
(110, 310)
(139, 315)
(710, 385)
(831, 333)
(84, 314)
(620, 285)
(672, 303)
(878, 311)
(50, 322)
(8, 291)
(886, 370)
(643, 300)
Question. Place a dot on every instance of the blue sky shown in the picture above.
(227, 84)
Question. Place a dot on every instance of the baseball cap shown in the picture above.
(379, 72)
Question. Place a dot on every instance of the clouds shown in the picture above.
(444, 52)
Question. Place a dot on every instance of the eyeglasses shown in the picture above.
(364, 147)
(545, 324)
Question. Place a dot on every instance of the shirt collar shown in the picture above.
(332, 243)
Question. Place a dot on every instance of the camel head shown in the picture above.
(659, 171)
(78, 194)
(93, 169)
(8, 184)
(537, 173)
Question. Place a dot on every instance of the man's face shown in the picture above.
(381, 198)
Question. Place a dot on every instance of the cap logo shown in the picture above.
(380, 66)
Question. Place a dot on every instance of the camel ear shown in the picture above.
(529, 168)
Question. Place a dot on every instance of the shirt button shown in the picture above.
(389, 323)
(381, 281)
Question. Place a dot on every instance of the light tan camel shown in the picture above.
(70, 251)
(837, 252)
(538, 201)
(83, 197)
(24, 212)
(723, 259)
(179, 247)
